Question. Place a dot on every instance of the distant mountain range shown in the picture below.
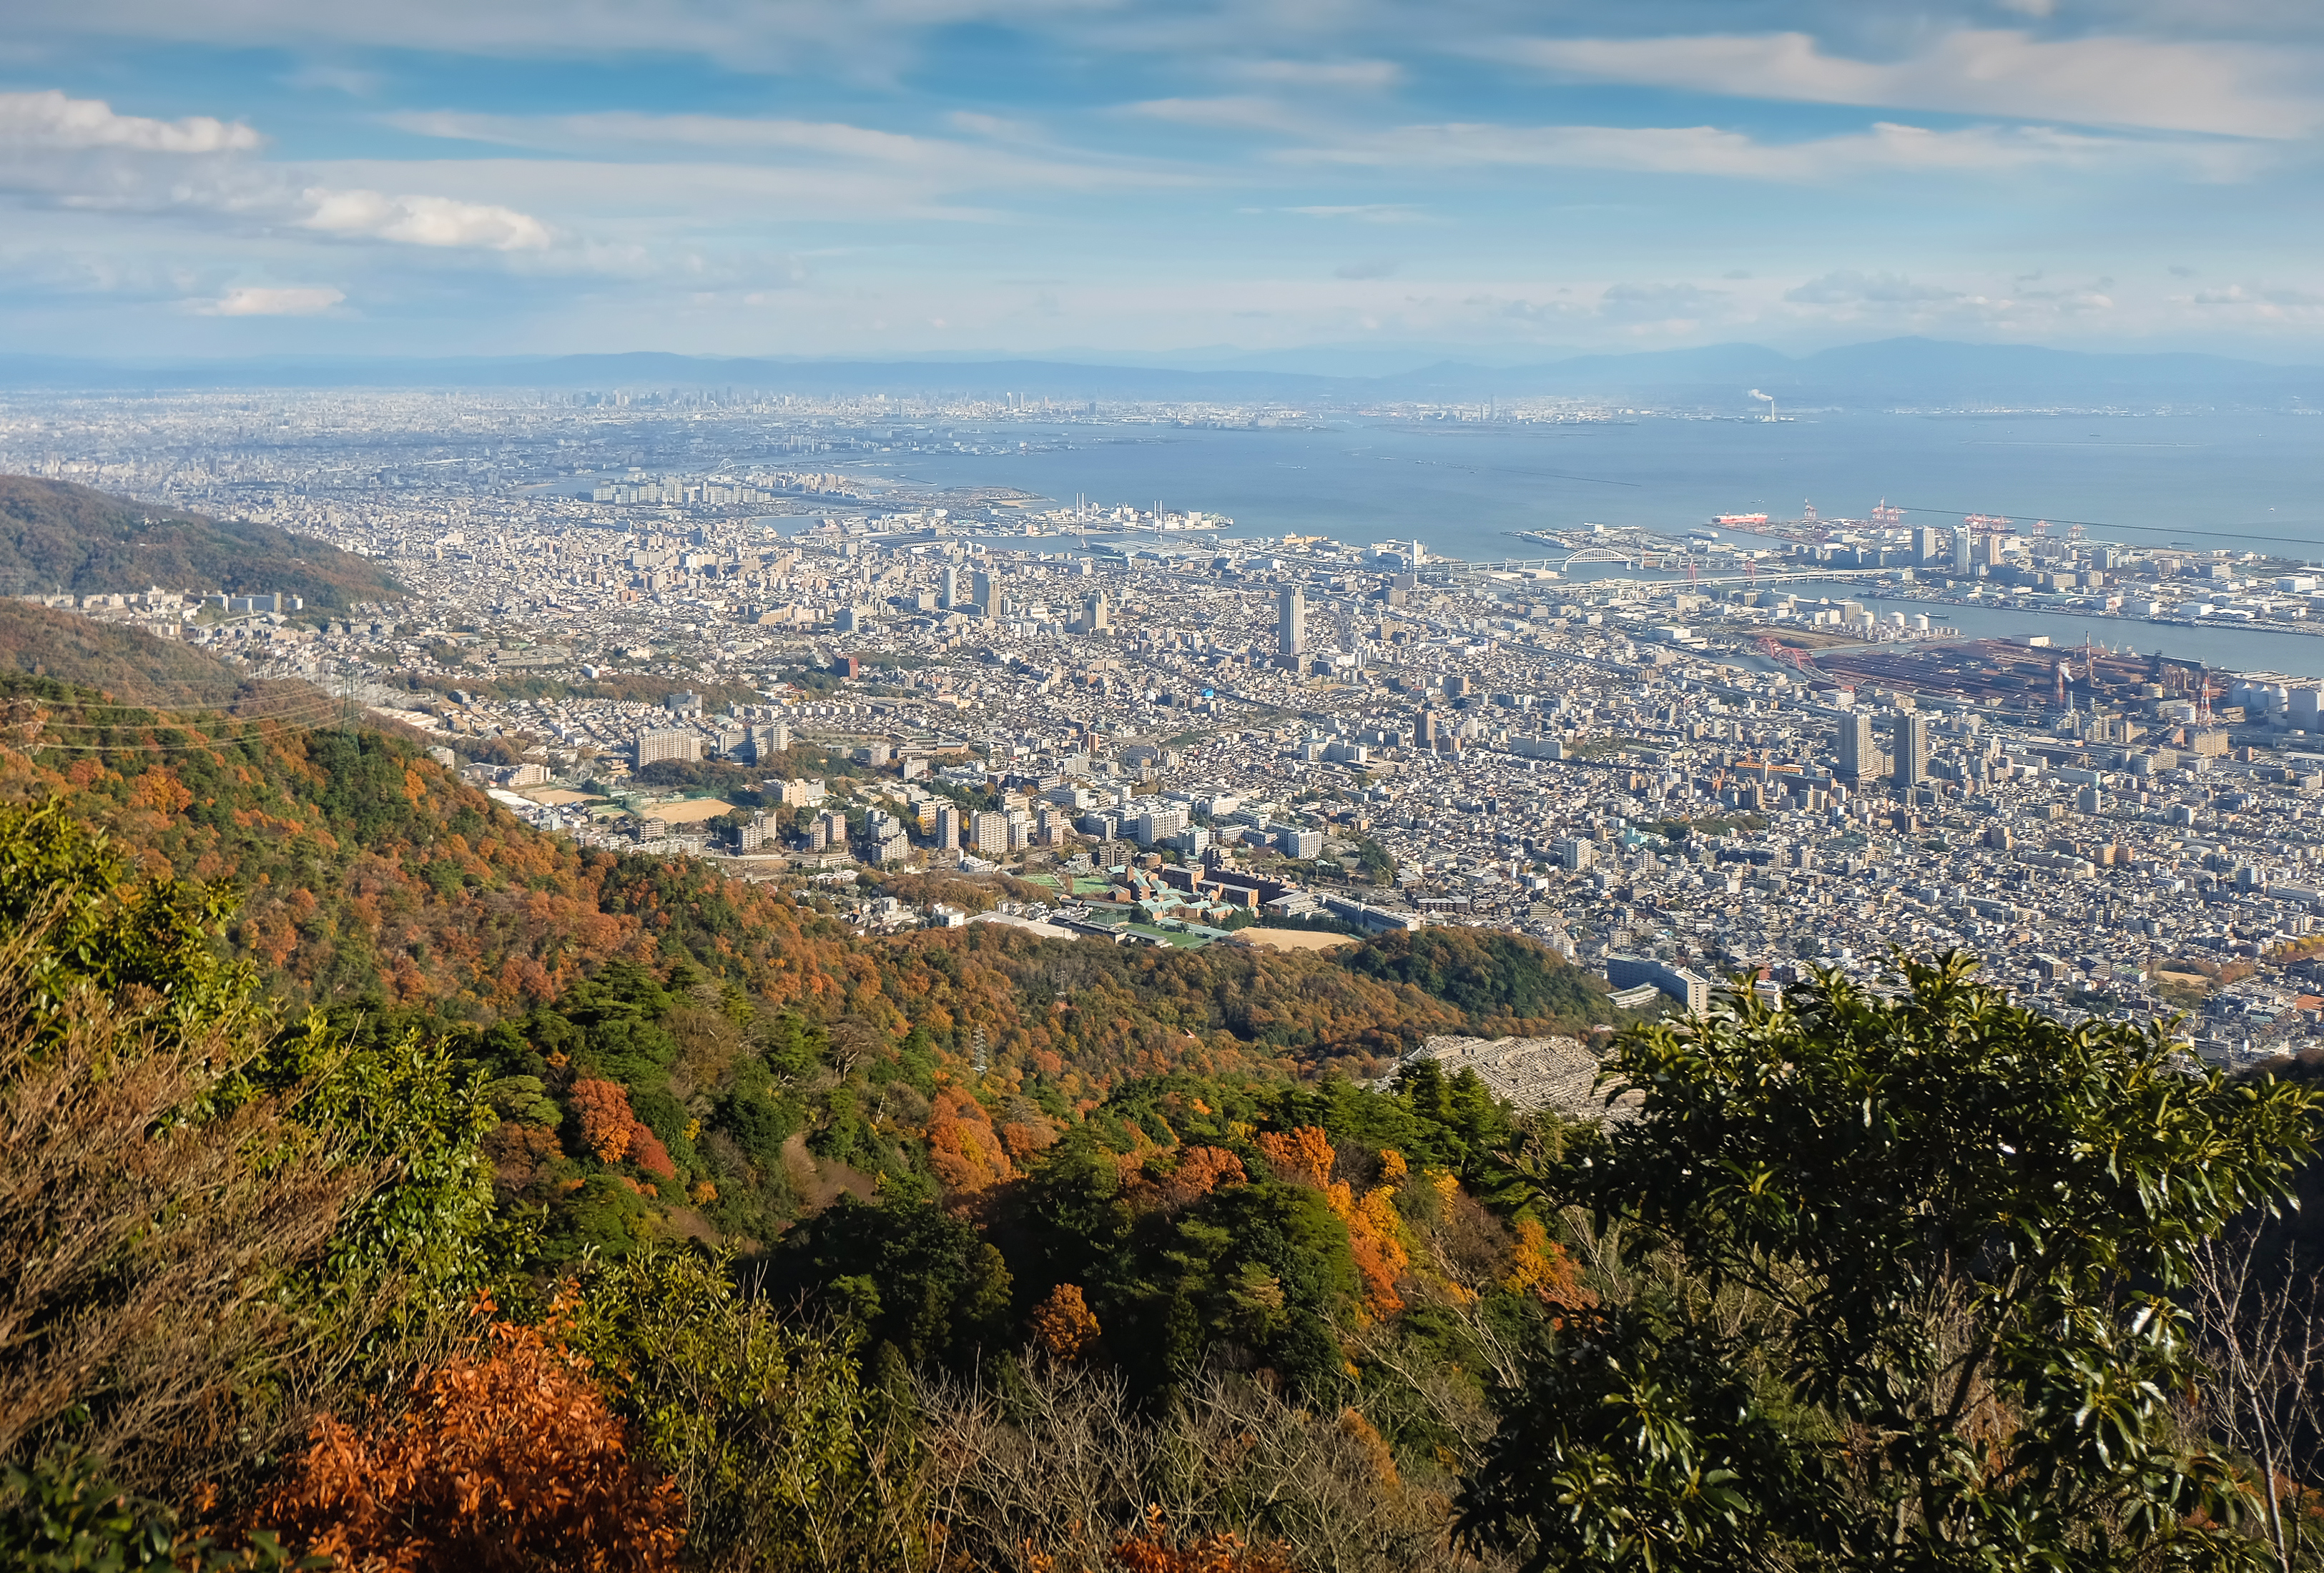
(59, 537)
(1916, 374)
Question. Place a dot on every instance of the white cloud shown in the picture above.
(2226, 89)
(354, 84)
(76, 153)
(1889, 301)
(257, 300)
(1370, 75)
(1362, 212)
(1659, 303)
(1233, 112)
(52, 122)
(2262, 296)
(429, 221)
(657, 205)
(1848, 287)
(1706, 150)
(942, 163)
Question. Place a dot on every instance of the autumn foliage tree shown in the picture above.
(506, 1460)
(613, 1130)
(1063, 1324)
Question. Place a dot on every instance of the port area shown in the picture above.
(2010, 675)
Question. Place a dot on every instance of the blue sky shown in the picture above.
(1333, 179)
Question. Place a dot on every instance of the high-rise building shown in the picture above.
(667, 744)
(1924, 544)
(1097, 617)
(990, 832)
(980, 590)
(1909, 737)
(1962, 563)
(1291, 621)
(951, 588)
(1858, 758)
(1158, 823)
(949, 828)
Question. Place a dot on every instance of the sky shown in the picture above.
(1313, 184)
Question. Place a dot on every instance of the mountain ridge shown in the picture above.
(1876, 372)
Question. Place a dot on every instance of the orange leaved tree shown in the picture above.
(1063, 1323)
(506, 1460)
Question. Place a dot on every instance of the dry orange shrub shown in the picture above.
(506, 1462)
(1154, 1552)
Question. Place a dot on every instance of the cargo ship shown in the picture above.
(1739, 521)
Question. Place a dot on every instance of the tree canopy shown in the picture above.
(1904, 1270)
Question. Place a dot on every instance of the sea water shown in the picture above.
(2245, 481)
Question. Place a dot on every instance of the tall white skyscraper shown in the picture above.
(1291, 621)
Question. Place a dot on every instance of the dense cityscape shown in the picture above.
(1146, 788)
(1674, 755)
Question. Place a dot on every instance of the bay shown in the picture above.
(2250, 482)
(2206, 479)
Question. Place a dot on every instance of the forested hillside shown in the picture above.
(383, 1179)
(774, 1053)
(56, 536)
(123, 664)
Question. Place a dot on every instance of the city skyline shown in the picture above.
(1319, 185)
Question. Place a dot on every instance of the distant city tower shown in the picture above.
(1910, 738)
(1291, 621)
(1858, 758)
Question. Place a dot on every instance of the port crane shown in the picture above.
(1886, 518)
